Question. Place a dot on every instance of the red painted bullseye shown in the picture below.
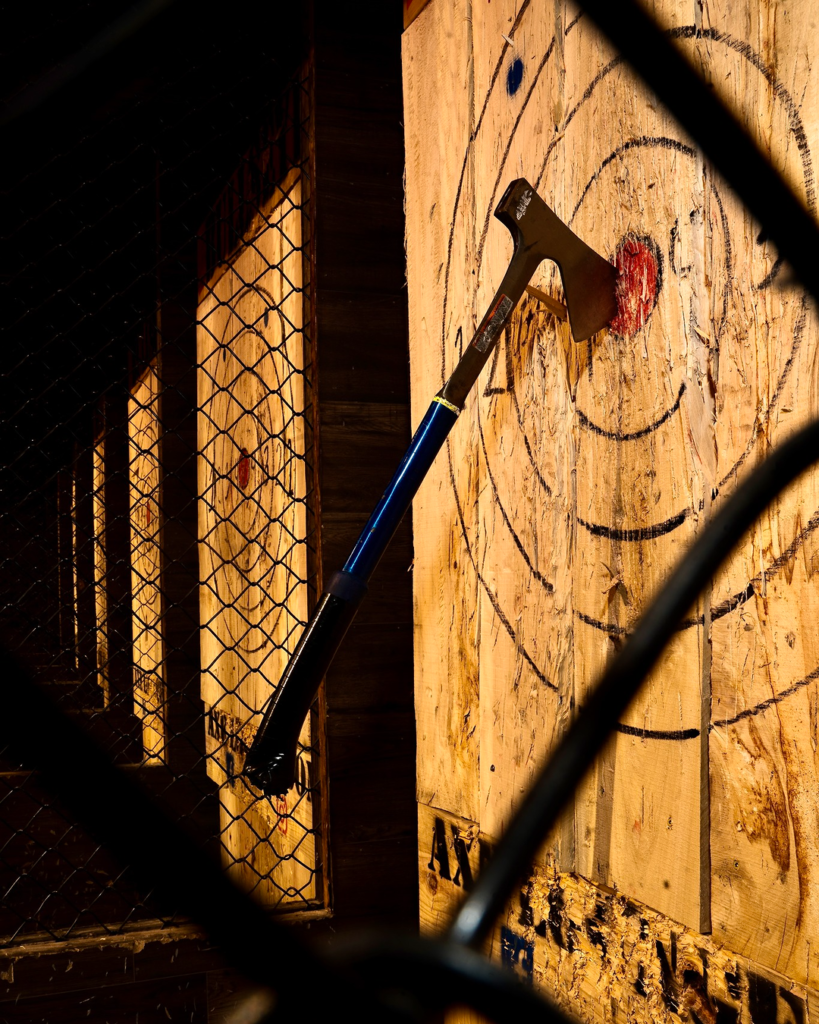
(639, 266)
(243, 470)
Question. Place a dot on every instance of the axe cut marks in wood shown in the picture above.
(600, 955)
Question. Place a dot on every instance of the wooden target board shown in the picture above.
(145, 489)
(577, 476)
(253, 532)
(100, 567)
(75, 565)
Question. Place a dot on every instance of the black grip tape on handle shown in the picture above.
(271, 762)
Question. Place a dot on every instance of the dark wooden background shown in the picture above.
(362, 397)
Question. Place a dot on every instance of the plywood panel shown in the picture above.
(448, 864)
(523, 420)
(440, 179)
(100, 567)
(145, 488)
(592, 468)
(645, 465)
(574, 528)
(253, 531)
(252, 469)
(764, 771)
(602, 956)
(268, 845)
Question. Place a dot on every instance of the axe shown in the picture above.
(589, 288)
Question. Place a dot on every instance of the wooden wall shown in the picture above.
(360, 326)
(254, 412)
(362, 379)
(576, 478)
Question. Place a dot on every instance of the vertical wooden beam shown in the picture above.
(440, 182)
(645, 463)
(253, 524)
(363, 411)
(764, 769)
(148, 599)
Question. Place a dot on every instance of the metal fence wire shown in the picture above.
(157, 556)
(94, 489)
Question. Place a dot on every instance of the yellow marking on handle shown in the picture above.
(446, 404)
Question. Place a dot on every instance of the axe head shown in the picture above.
(589, 281)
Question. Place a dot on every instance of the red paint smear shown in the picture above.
(638, 277)
(243, 470)
(280, 803)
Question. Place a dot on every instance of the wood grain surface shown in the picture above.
(145, 461)
(602, 956)
(252, 524)
(98, 479)
(579, 475)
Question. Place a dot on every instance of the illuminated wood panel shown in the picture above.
(145, 488)
(577, 476)
(98, 480)
(253, 532)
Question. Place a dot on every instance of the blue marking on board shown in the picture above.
(516, 951)
(514, 76)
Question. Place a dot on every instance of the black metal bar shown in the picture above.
(440, 975)
(710, 122)
(160, 855)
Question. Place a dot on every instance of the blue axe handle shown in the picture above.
(588, 282)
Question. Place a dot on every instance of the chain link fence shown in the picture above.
(157, 534)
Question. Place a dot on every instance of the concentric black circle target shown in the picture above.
(253, 467)
(662, 243)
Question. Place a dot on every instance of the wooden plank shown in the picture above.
(101, 567)
(82, 546)
(448, 864)
(65, 573)
(445, 584)
(643, 436)
(764, 773)
(182, 998)
(268, 846)
(359, 335)
(601, 955)
(523, 416)
(253, 402)
(253, 559)
(578, 496)
(146, 514)
(412, 8)
(605, 957)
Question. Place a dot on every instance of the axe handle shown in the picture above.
(271, 761)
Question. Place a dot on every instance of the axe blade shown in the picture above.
(589, 281)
